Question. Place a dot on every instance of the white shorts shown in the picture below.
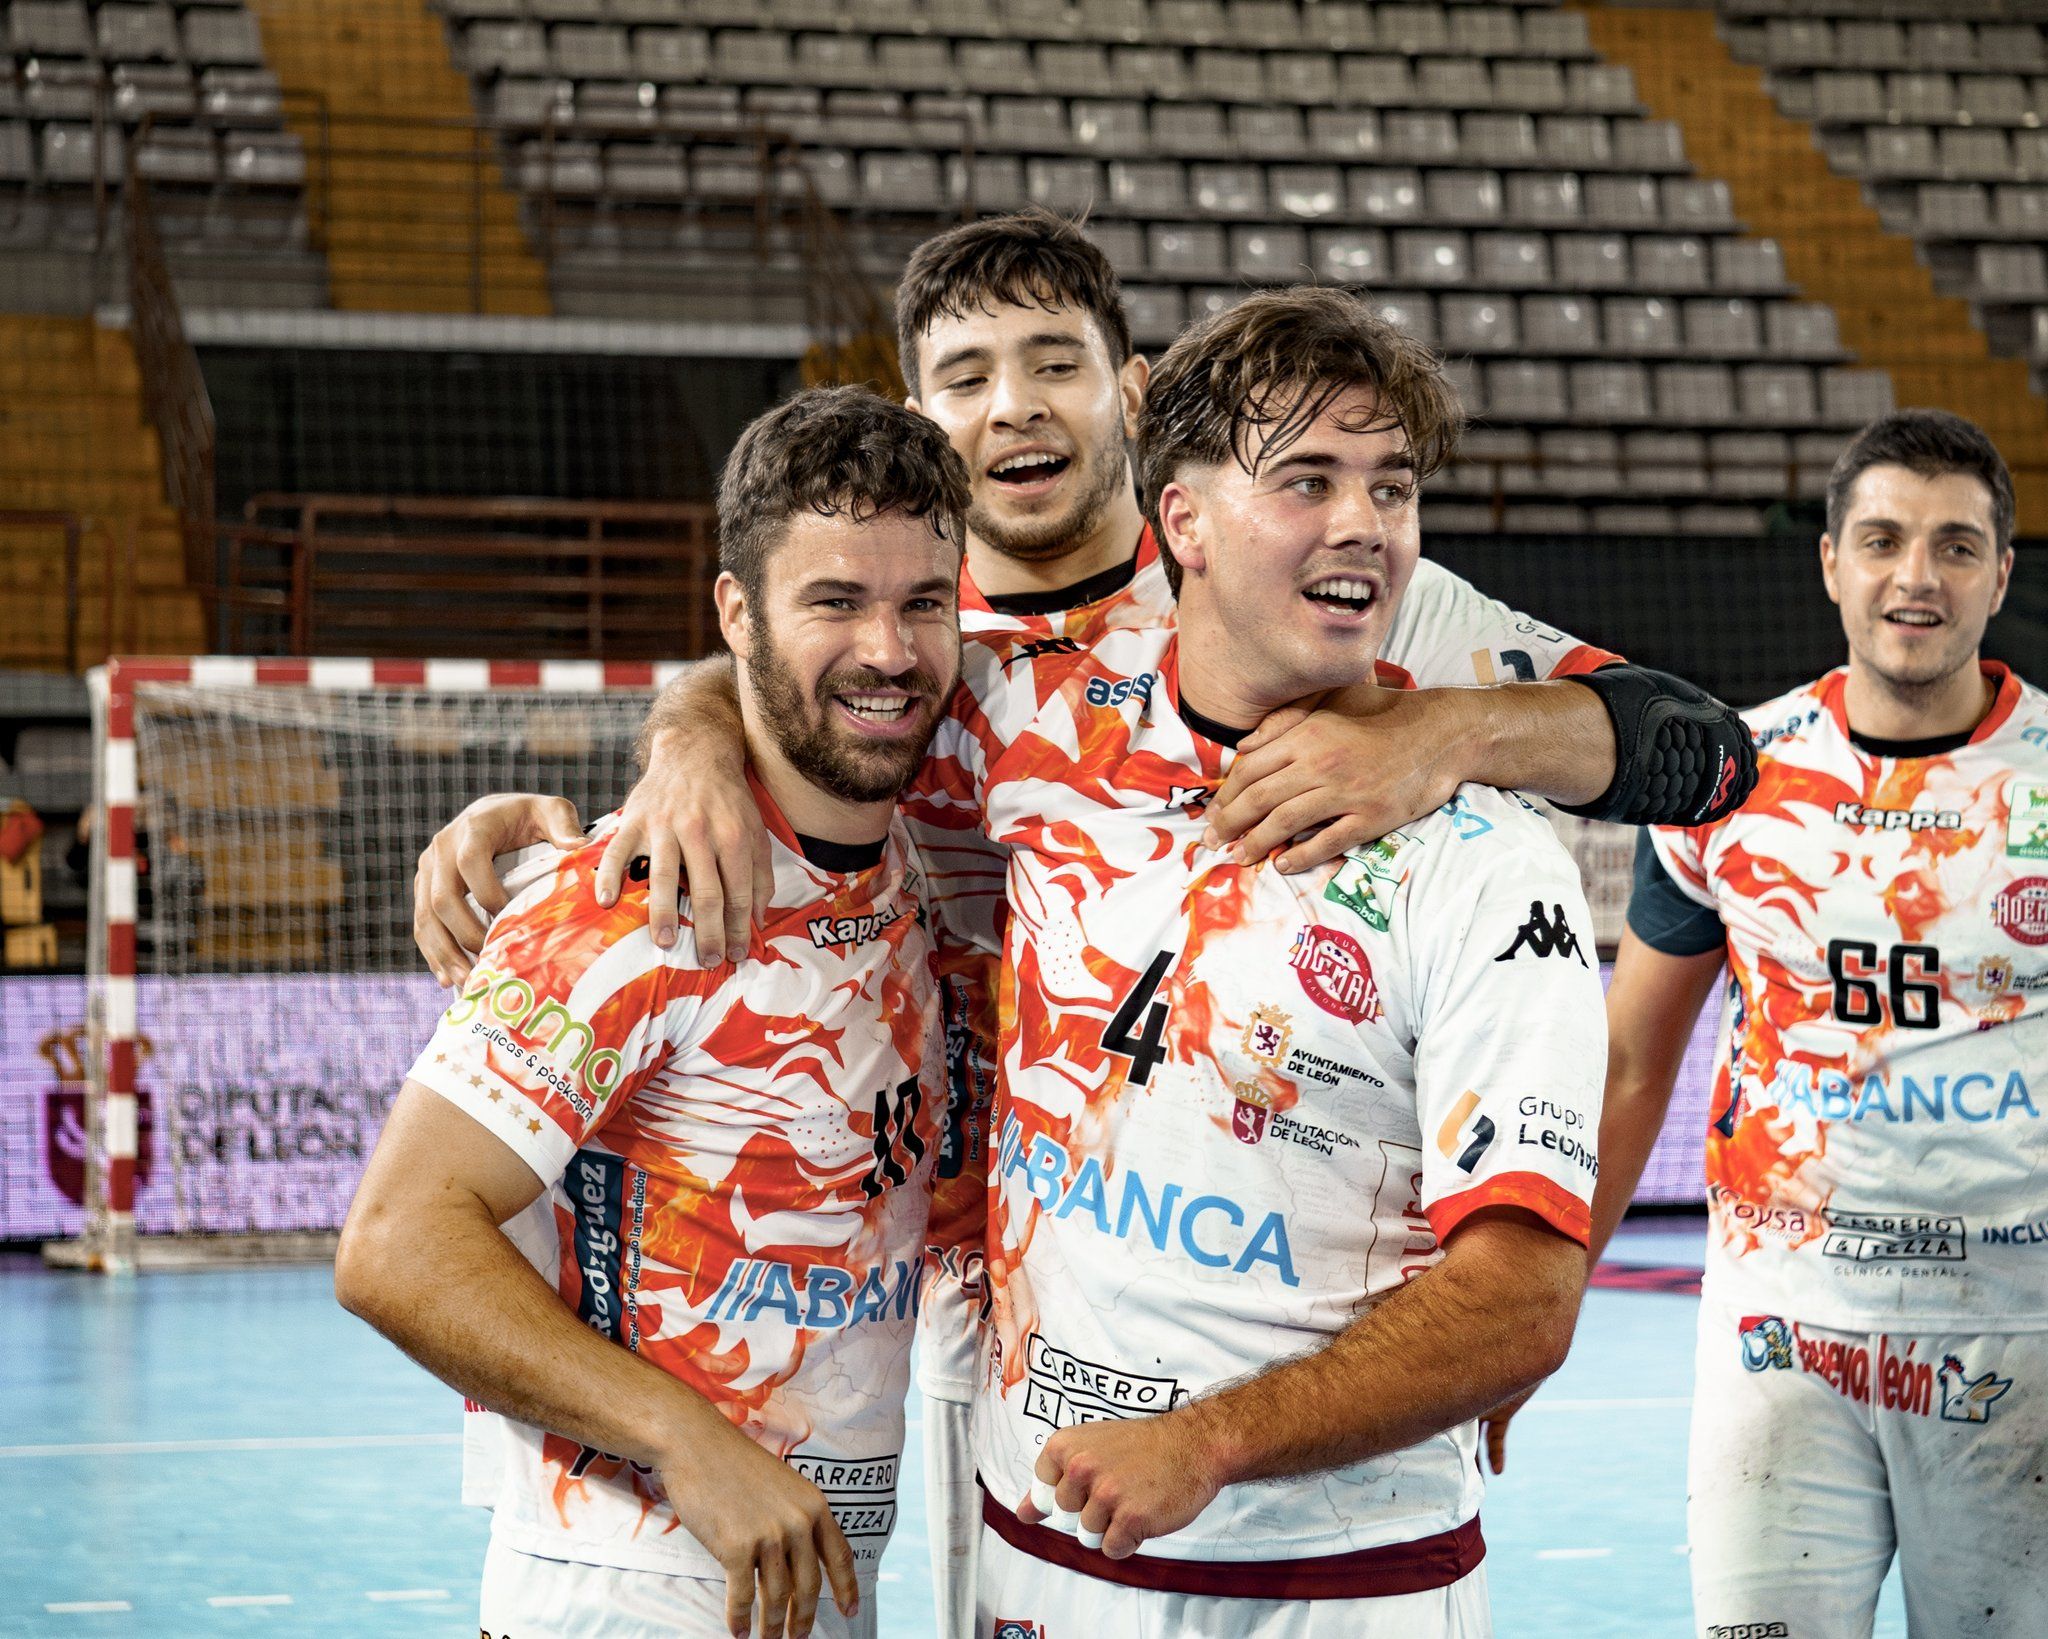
(1025, 1598)
(1817, 1455)
(953, 1513)
(527, 1597)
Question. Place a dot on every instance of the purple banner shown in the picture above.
(263, 1095)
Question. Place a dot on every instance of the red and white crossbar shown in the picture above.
(114, 1235)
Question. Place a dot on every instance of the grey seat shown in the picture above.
(1672, 262)
(1340, 25)
(751, 56)
(994, 66)
(591, 52)
(916, 61)
(1111, 20)
(1376, 82)
(1305, 78)
(1415, 29)
(1192, 128)
(1848, 98)
(1548, 199)
(1560, 34)
(56, 89)
(1453, 82)
(1538, 87)
(1465, 197)
(1122, 242)
(1993, 99)
(1349, 256)
(177, 154)
(796, 111)
(833, 59)
(1116, 127)
(1430, 257)
(1928, 98)
(1229, 76)
(1478, 324)
(905, 181)
(1485, 31)
(1560, 324)
(1040, 19)
(1141, 187)
(1069, 185)
(1267, 133)
(1416, 314)
(162, 89)
(266, 159)
(1849, 398)
(2013, 45)
(58, 28)
(1951, 207)
(2022, 210)
(1723, 327)
(1777, 395)
(1386, 195)
(1270, 255)
(1344, 133)
(1157, 71)
(1189, 22)
(1591, 261)
(1306, 192)
(1156, 312)
(862, 119)
(1798, 42)
(505, 48)
(1622, 201)
(644, 171)
(1187, 250)
(1525, 390)
(1754, 266)
(671, 55)
(1695, 395)
(1974, 154)
(72, 153)
(240, 96)
(139, 34)
(1028, 123)
(1941, 45)
(1228, 190)
(1498, 139)
(1641, 324)
(228, 37)
(1511, 261)
(566, 11)
(2012, 272)
(995, 182)
(701, 107)
(1699, 204)
(1600, 88)
(1076, 69)
(1261, 25)
(615, 105)
(1419, 136)
(1801, 330)
(1575, 142)
(1871, 44)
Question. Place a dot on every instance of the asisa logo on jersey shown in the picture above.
(1766, 1344)
(2026, 825)
(1104, 691)
(1333, 970)
(2021, 909)
(1966, 1399)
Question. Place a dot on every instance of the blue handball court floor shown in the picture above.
(225, 1452)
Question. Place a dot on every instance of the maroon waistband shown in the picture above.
(1366, 1573)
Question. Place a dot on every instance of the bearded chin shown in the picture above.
(801, 727)
(1042, 540)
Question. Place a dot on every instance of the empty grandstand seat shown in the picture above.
(1194, 128)
(1151, 70)
(1560, 324)
(1353, 256)
(1120, 127)
(1429, 257)
(1463, 196)
(1695, 395)
(1591, 261)
(1850, 397)
(1122, 242)
(1416, 314)
(139, 34)
(906, 181)
(994, 66)
(864, 119)
(1075, 69)
(1156, 312)
(1308, 192)
(2013, 45)
(995, 182)
(616, 105)
(1575, 142)
(1698, 203)
(1386, 195)
(1723, 327)
(241, 96)
(1750, 265)
(1871, 44)
(505, 48)
(1777, 395)
(1649, 145)
(2022, 210)
(1267, 133)
(1924, 97)
(1143, 186)
(1414, 29)
(1622, 201)
(591, 52)
(1455, 82)
(1478, 324)
(1306, 78)
(1672, 262)
(1419, 136)
(1376, 82)
(671, 54)
(1028, 123)
(1228, 76)
(55, 89)
(1545, 198)
(1641, 324)
(1112, 20)
(1340, 25)
(226, 37)
(642, 171)
(177, 154)
(163, 89)
(1600, 88)
(1506, 140)
(1344, 133)
(1189, 22)
(1536, 86)
(1526, 389)
(1069, 185)
(1512, 261)
(1485, 31)
(1801, 330)
(2012, 272)
(900, 61)
(1951, 207)
(1974, 155)
(1845, 98)
(75, 154)
(1269, 254)
(1993, 99)
(58, 27)
(1228, 190)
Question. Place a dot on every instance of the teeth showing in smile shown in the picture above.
(1028, 466)
(1348, 593)
(1913, 617)
(877, 708)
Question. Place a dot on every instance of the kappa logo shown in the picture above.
(1766, 1344)
(1541, 937)
(1193, 798)
(829, 931)
(1043, 646)
(1966, 1399)
(1898, 819)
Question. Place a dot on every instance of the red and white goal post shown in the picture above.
(254, 994)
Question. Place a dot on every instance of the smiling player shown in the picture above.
(1873, 1349)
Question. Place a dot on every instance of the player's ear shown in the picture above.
(1827, 568)
(1131, 382)
(735, 618)
(2004, 580)
(1181, 522)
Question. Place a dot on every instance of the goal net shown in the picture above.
(254, 995)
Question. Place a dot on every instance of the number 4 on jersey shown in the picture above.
(1143, 1051)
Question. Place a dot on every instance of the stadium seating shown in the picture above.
(1476, 165)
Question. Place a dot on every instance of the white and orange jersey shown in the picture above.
(1446, 634)
(738, 1167)
(1878, 1152)
(1236, 1107)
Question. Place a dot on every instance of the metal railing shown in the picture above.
(117, 593)
(351, 574)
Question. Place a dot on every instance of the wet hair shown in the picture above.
(1266, 369)
(1930, 443)
(1032, 258)
(838, 452)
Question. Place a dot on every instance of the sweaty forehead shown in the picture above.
(992, 325)
(1353, 427)
(1901, 496)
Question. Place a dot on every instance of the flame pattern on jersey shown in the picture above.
(1445, 634)
(1236, 1108)
(738, 1166)
(1878, 1147)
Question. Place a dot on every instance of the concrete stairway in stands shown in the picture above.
(73, 439)
(397, 222)
(1834, 244)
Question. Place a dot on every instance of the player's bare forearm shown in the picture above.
(1493, 1318)
(476, 1314)
(692, 817)
(1653, 1001)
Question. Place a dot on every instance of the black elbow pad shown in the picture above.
(1680, 756)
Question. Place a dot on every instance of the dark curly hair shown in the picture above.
(1929, 443)
(1032, 258)
(1271, 365)
(838, 452)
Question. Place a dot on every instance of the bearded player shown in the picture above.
(1872, 1378)
(693, 1333)
(1013, 337)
